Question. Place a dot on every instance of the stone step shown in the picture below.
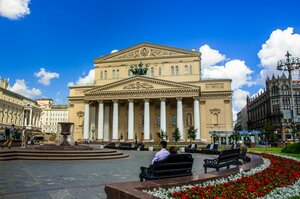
(58, 154)
(57, 151)
(100, 157)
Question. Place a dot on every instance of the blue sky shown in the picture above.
(64, 36)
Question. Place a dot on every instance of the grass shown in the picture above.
(276, 150)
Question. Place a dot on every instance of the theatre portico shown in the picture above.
(123, 106)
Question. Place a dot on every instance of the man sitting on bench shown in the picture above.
(163, 153)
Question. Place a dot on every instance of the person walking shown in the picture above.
(9, 137)
(23, 138)
(163, 153)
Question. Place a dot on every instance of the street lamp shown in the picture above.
(289, 64)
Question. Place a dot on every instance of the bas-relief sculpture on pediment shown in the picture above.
(138, 85)
(144, 52)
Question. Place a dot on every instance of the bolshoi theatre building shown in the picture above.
(122, 105)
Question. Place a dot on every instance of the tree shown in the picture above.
(192, 132)
(268, 130)
(176, 135)
(162, 135)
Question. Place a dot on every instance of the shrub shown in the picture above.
(293, 148)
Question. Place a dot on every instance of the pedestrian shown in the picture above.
(9, 136)
(163, 153)
(173, 150)
(23, 138)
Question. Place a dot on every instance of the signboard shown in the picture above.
(287, 114)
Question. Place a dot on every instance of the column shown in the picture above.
(163, 125)
(115, 120)
(131, 120)
(86, 121)
(25, 118)
(197, 118)
(146, 120)
(100, 120)
(179, 117)
(30, 117)
(106, 131)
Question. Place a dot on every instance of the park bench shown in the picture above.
(192, 148)
(126, 146)
(110, 145)
(209, 149)
(177, 165)
(226, 158)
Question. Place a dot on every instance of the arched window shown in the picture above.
(285, 90)
(215, 119)
(105, 74)
(274, 90)
(189, 119)
(101, 75)
(159, 71)
(152, 72)
(174, 121)
(191, 69)
(176, 70)
(172, 70)
(186, 70)
(117, 73)
(113, 74)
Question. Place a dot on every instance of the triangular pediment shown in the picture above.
(146, 51)
(139, 83)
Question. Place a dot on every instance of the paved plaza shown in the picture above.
(73, 179)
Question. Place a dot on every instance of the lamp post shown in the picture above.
(289, 64)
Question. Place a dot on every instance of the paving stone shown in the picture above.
(73, 179)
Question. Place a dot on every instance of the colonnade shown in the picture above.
(103, 114)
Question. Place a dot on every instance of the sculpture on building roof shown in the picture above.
(139, 69)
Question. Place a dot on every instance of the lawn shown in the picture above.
(276, 150)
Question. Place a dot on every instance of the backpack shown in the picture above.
(7, 132)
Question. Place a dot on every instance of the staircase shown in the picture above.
(35, 154)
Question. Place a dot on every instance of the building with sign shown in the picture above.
(127, 106)
(274, 105)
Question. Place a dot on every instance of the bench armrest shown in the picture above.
(211, 161)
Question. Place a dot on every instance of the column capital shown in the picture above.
(130, 100)
(196, 98)
(179, 98)
(87, 102)
(162, 99)
(100, 101)
(115, 101)
(146, 100)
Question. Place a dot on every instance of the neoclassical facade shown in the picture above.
(17, 109)
(123, 106)
(52, 114)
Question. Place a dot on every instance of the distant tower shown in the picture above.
(3, 83)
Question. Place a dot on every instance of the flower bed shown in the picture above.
(277, 178)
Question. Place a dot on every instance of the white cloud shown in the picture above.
(114, 51)
(20, 87)
(216, 65)
(89, 79)
(275, 48)
(14, 9)
(45, 76)
(210, 57)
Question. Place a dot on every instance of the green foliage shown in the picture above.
(162, 135)
(268, 130)
(295, 197)
(139, 69)
(235, 137)
(293, 148)
(192, 132)
(176, 135)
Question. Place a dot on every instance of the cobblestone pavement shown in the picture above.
(72, 179)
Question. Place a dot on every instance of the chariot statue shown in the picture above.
(139, 69)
